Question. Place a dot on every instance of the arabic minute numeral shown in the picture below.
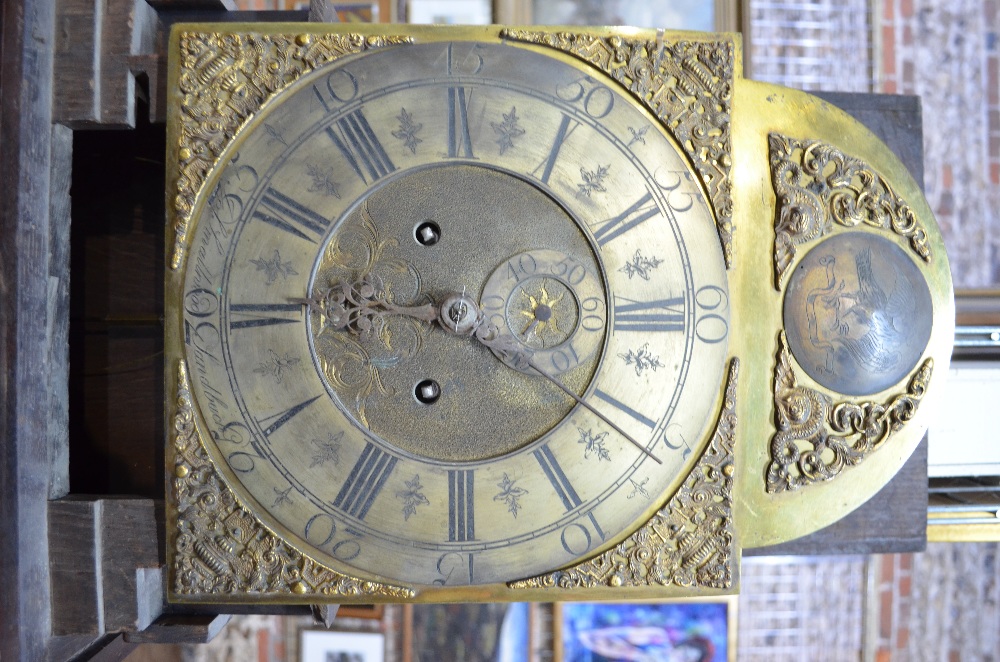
(321, 530)
(338, 88)
(455, 568)
(711, 327)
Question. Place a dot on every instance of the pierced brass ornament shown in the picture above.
(818, 185)
(222, 551)
(818, 439)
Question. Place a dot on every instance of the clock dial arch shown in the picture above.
(303, 451)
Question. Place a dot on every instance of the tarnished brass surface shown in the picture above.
(223, 79)
(221, 551)
(685, 80)
(817, 173)
(857, 313)
(374, 376)
(616, 202)
(539, 174)
(689, 543)
(819, 186)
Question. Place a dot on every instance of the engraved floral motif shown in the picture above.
(640, 265)
(687, 543)
(510, 494)
(274, 136)
(326, 450)
(281, 497)
(219, 548)
(276, 365)
(274, 267)
(817, 439)
(355, 340)
(638, 489)
(593, 180)
(322, 181)
(638, 135)
(688, 85)
(412, 496)
(507, 130)
(408, 131)
(642, 359)
(818, 186)
(224, 79)
(593, 444)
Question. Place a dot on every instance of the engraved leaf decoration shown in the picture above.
(593, 180)
(412, 496)
(510, 494)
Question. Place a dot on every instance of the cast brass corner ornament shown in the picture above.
(817, 185)
(224, 79)
(221, 549)
(689, 542)
(817, 439)
(688, 85)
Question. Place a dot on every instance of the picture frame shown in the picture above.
(335, 646)
(700, 15)
(372, 612)
(472, 632)
(612, 631)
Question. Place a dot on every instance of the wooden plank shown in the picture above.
(130, 535)
(26, 36)
(203, 5)
(116, 308)
(176, 629)
(130, 28)
(57, 316)
(75, 567)
(78, 63)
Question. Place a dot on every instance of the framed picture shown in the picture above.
(327, 646)
(374, 612)
(703, 15)
(450, 12)
(488, 632)
(693, 631)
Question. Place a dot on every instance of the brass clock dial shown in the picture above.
(504, 313)
(363, 431)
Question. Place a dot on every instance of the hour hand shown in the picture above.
(360, 307)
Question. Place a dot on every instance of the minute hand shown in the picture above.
(460, 315)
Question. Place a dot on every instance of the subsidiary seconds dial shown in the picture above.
(341, 408)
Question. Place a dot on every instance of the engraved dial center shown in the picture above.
(411, 236)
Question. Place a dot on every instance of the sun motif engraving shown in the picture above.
(541, 321)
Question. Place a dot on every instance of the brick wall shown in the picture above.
(945, 51)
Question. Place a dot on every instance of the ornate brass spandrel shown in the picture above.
(816, 439)
(688, 85)
(689, 542)
(818, 187)
(224, 79)
(219, 548)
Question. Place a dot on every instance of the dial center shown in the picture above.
(388, 236)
